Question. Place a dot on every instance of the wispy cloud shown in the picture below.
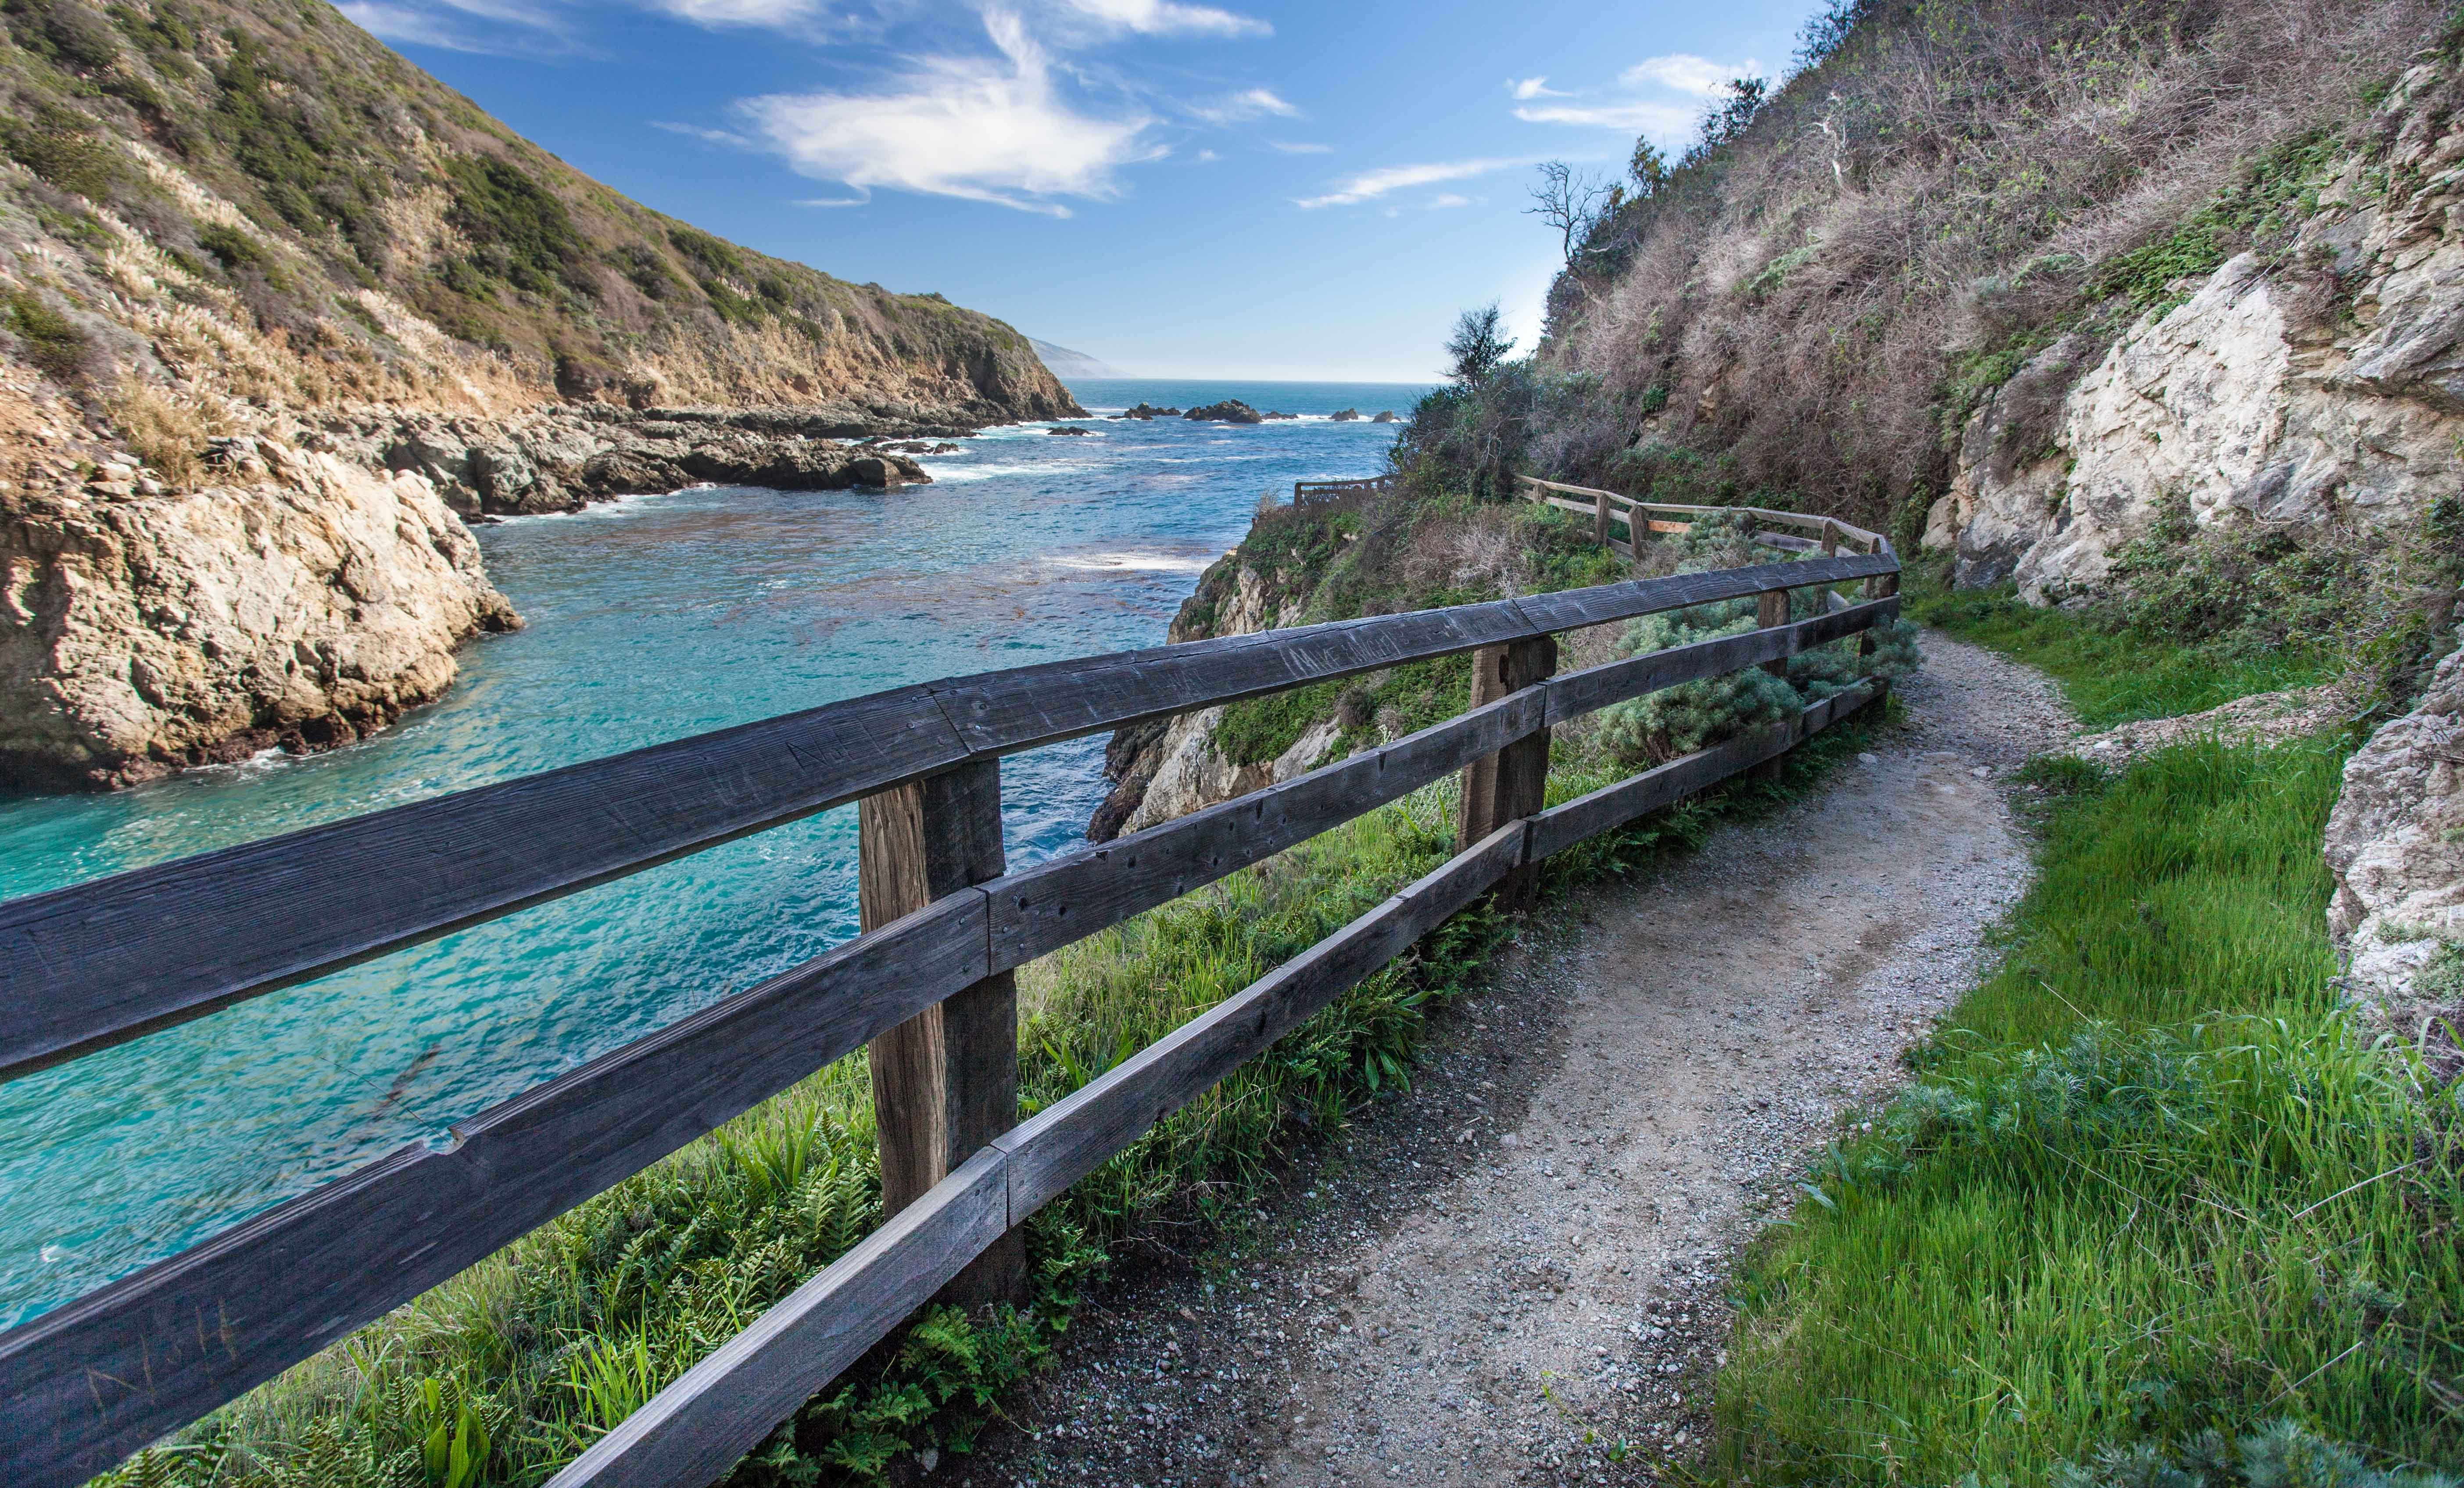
(1299, 146)
(983, 129)
(1166, 17)
(775, 14)
(1245, 105)
(443, 25)
(1371, 185)
(1682, 71)
(1439, 203)
(1658, 119)
(859, 199)
(1660, 96)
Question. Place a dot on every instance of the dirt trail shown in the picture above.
(1532, 1247)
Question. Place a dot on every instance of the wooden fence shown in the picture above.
(1305, 492)
(927, 985)
(1609, 511)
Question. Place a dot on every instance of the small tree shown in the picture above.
(1569, 201)
(1649, 168)
(1477, 346)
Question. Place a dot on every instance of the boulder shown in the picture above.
(1066, 431)
(1271, 415)
(2396, 845)
(1384, 416)
(2322, 384)
(1147, 411)
(299, 601)
(1231, 410)
(1348, 415)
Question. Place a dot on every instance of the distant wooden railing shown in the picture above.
(1609, 510)
(927, 985)
(1305, 492)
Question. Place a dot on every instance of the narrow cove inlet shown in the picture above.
(648, 619)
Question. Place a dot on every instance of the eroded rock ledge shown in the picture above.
(297, 601)
(560, 458)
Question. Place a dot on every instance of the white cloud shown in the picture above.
(434, 25)
(1247, 105)
(1447, 199)
(1371, 185)
(1299, 147)
(777, 15)
(1660, 96)
(1641, 116)
(1682, 71)
(859, 199)
(980, 128)
(1166, 17)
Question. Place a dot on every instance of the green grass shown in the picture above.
(2111, 673)
(538, 1351)
(2151, 1195)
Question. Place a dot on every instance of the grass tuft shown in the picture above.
(2153, 1200)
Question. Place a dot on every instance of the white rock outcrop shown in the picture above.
(303, 602)
(2395, 844)
(2327, 383)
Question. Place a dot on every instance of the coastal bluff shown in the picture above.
(280, 314)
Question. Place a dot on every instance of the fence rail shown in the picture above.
(926, 986)
(1610, 509)
(1305, 492)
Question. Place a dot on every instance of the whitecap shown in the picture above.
(1130, 562)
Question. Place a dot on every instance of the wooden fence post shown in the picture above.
(1515, 780)
(945, 1082)
(1830, 537)
(1770, 608)
(1600, 519)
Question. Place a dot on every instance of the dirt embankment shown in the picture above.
(1522, 1261)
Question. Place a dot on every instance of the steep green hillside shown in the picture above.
(255, 199)
(1813, 299)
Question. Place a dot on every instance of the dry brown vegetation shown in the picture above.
(1810, 307)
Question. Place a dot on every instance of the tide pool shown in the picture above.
(650, 620)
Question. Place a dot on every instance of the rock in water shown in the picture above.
(1384, 416)
(305, 605)
(1231, 410)
(1345, 415)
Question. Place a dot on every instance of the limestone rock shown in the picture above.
(2326, 383)
(303, 605)
(1163, 771)
(2395, 844)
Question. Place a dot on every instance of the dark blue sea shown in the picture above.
(650, 618)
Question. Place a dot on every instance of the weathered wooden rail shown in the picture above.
(1305, 492)
(927, 985)
(1609, 510)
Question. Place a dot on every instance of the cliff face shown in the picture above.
(292, 599)
(2318, 383)
(278, 309)
(1818, 300)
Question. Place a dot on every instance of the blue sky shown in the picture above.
(1269, 191)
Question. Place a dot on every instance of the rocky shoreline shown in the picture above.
(306, 585)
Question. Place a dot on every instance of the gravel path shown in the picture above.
(1492, 1279)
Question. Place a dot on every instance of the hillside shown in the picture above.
(261, 200)
(279, 310)
(1958, 245)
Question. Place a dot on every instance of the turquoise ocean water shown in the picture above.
(648, 619)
